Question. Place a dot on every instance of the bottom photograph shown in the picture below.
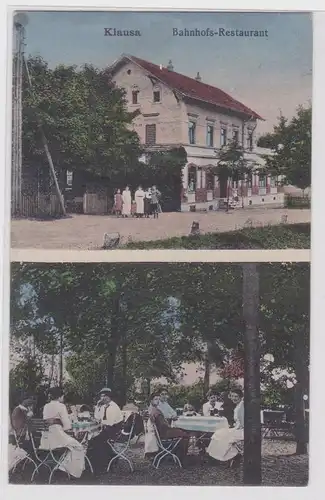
(159, 374)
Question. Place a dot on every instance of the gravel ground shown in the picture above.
(280, 467)
(86, 232)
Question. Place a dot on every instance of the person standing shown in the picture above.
(118, 203)
(155, 205)
(55, 414)
(147, 203)
(19, 421)
(126, 199)
(228, 408)
(139, 200)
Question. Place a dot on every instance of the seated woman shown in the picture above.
(189, 410)
(55, 414)
(84, 414)
(212, 407)
(165, 430)
(19, 423)
(222, 445)
(108, 413)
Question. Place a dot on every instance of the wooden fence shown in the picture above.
(95, 204)
(40, 206)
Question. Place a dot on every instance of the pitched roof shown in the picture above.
(192, 88)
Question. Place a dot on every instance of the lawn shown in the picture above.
(268, 237)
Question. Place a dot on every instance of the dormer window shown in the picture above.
(156, 96)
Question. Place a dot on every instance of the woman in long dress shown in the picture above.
(55, 413)
(126, 198)
(222, 446)
(139, 200)
(118, 203)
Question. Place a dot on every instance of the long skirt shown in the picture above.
(15, 455)
(222, 445)
(139, 200)
(55, 437)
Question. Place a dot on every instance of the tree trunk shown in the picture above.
(252, 431)
(61, 360)
(301, 370)
(206, 379)
(228, 189)
(124, 370)
(114, 342)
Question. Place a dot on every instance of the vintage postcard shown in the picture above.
(159, 374)
(161, 130)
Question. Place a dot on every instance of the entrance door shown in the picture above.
(223, 183)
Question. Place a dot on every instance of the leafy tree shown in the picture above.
(232, 165)
(290, 143)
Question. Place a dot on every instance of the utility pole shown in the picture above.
(20, 20)
(252, 424)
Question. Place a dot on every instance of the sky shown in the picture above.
(272, 75)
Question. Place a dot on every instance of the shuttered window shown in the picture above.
(150, 134)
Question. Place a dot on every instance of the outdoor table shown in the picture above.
(200, 424)
(80, 428)
(200, 428)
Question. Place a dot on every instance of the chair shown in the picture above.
(84, 442)
(166, 448)
(21, 458)
(275, 425)
(52, 459)
(121, 444)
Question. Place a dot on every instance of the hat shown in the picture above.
(105, 390)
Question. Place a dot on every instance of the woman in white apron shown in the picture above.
(127, 202)
(139, 200)
(222, 446)
(56, 415)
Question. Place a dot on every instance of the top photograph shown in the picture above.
(161, 130)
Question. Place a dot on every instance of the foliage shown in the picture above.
(26, 379)
(277, 237)
(290, 143)
(297, 201)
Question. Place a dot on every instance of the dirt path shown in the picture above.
(87, 231)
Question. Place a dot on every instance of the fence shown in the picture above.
(40, 206)
(95, 204)
(292, 201)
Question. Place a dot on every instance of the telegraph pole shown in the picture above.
(20, 21)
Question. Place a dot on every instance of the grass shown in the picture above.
(268, 237)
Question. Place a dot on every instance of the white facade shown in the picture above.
(169, 119)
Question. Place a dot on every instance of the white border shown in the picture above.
(315, 488)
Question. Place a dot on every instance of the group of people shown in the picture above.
(112, 423)
(59, 421)
(145, 202)
(222, 446)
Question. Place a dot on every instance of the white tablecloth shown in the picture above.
(92, 428)
(200, 424)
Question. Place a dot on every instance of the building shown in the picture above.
(176, 110)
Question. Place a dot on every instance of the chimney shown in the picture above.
(198, 77)
(170, 66)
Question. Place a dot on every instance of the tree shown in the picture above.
(85, 119)
(233, 166)
(290, 143)
(252, 433)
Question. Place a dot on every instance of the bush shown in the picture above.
(297, 201)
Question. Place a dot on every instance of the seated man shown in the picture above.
(222, 446)
(212, 407)
(168, 412)
(165, 430)
(108, 413)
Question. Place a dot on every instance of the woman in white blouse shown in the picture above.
(55, 413)
(222, 446)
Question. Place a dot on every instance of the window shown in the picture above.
(262, 181)
(250, 140)
(69, 178)
(210, 135)
(156, 96)
(235, 136)
(210, 180)
(135, 96)
(150, 134)
(223, 136)
(191, 132)
(249, 181)
(191, 179)
(273, 181)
